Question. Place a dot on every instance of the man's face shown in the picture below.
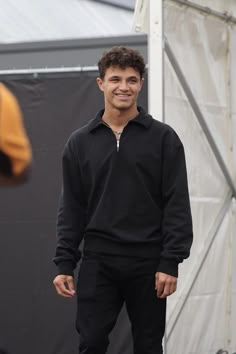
(120, 87)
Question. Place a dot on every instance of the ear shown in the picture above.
(100, 83)
(141, 82)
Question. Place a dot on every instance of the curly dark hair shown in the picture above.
(123, 57)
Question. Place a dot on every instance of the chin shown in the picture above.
(123, 107)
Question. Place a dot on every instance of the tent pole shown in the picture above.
(155, 60)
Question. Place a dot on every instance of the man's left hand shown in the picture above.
(165, 284)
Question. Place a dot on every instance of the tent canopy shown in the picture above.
(28, 21)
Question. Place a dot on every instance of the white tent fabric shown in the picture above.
(221, 6)
(201, 314)
(202, 46)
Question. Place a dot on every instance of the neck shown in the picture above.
(119, 118)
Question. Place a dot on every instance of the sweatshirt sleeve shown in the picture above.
(71, 214)
(177, 221)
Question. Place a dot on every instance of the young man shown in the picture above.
(125, 193)
(15, 150)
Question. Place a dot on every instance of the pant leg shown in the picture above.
(98, 305)
(146, 312)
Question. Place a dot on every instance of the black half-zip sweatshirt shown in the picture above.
(132, 201)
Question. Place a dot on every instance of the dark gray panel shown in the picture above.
(70, 53)
(33, 319)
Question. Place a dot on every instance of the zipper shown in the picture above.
(118, 144)
(116, 134)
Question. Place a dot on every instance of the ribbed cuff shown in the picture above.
(65, 268)
(168, 266)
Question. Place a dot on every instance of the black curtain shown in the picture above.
(33, 318)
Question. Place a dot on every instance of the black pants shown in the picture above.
(105, 282)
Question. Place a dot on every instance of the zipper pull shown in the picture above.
(118, 144)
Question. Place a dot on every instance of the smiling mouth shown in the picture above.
(122, 95)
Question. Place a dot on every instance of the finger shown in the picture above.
(59, 283)
(169, 289)
(173, 287)
(63, 291)
(159, 285)
(70, 283)
(166, 290)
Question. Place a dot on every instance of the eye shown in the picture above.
(133, 80)
(114, 79)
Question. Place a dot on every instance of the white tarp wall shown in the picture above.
(201, 317)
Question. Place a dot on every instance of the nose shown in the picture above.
(123, 85)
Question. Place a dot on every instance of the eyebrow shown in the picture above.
(128, 78)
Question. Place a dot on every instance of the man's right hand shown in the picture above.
(64, 285)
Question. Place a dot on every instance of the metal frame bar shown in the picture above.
(205, 251)
(207, 10)
(45, 72)
(196, 109)
(35, 71)
(155, 60)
